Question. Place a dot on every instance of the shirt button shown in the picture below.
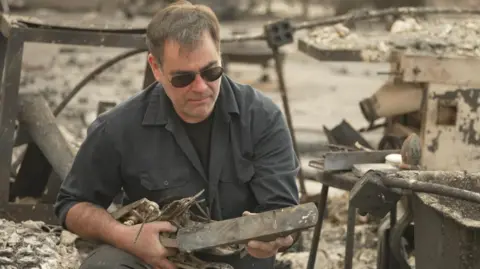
(165, 183)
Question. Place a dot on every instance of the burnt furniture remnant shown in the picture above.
(47, 158)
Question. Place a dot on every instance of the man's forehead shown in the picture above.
(186, 58)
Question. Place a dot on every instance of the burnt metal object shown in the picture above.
(278, 33)
(342, 161)
(344, 134)
(264, 226)
(15, 31)
(201, 234)
(371, 196)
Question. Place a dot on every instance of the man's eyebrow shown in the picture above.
(210, 64)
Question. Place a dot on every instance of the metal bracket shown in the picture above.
(278, 33)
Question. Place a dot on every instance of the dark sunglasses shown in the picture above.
(185, 78)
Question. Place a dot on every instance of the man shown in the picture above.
(195, 129)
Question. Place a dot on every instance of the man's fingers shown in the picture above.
(284, 241)
(165, 264)
(248, 213)
(260, 254)
(164, 226)
(263, 246)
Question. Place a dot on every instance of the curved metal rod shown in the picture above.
(396, 235)
(92, 75)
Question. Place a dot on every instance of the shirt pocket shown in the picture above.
(163, 188)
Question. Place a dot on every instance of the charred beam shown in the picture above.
(35, 114)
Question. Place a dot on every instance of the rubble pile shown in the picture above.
(432, 36)
(33, 244)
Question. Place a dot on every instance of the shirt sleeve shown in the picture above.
(95, 173)
(275, 162)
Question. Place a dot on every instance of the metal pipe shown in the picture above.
(92, 76)
(286, 107)
(350, 239)
(407, 180)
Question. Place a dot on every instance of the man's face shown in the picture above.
(195, 101)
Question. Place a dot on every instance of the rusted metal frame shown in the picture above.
(78, 37)
(12, 54)
(13, 41)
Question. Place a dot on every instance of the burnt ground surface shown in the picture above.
(321, 94)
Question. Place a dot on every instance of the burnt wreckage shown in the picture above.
(437, 189)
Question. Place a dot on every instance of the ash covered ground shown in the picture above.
(321, 93)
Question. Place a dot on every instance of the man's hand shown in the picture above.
(262, 250)
(148, 246)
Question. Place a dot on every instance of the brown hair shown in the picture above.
(182, 22)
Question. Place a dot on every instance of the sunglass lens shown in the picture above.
(183, 80)
(213, 73)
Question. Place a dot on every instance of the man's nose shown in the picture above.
(199, 85)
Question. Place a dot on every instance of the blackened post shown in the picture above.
(11, 52)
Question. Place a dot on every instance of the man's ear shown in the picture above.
(155, 67)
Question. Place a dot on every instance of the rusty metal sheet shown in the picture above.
(436, 69)
(451, 128)
(264, 226)
(340, 161)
